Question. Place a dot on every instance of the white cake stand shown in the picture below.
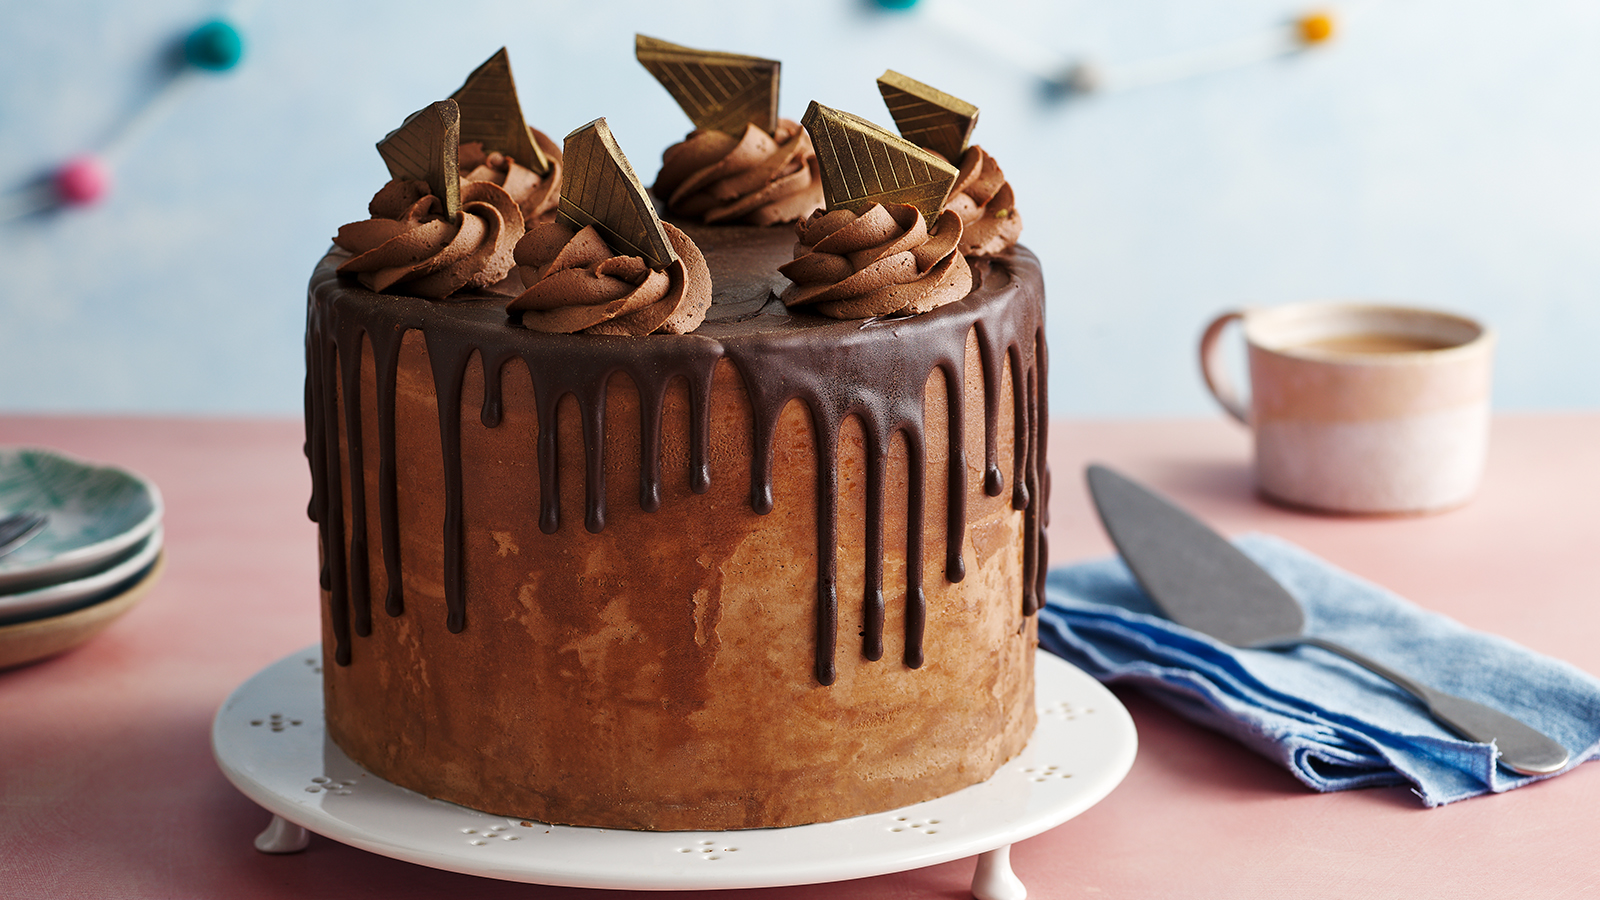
(269, 740)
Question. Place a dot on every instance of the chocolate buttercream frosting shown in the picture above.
(536, 194)
(983, 199)
(883, 262)
(409, 246)
(577, 282)
(754, 178)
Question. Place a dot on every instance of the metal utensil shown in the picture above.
(17, 528)
(1201, 581)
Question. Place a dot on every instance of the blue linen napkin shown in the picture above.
(1331, 723)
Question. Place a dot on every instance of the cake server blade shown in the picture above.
(1198, 579)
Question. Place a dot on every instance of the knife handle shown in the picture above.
(1523, 749)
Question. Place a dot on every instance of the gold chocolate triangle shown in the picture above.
(599, 188)
(863, 164)
(491, 114)
(928, 117)
(424, 148)
(719, 91)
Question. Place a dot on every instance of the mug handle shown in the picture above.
(1216, 375)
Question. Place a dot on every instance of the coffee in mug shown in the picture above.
(1360, 408)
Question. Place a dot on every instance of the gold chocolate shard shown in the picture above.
(718, 91)
(424, 148)
(599, 188)
(491, 114)
(928, 117)
(863, 164)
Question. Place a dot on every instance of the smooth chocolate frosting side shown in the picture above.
(838, 369)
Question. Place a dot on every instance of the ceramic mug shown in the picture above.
(1358, 407)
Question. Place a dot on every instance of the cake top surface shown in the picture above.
(746, 289)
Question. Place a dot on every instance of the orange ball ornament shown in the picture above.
(1315, 28)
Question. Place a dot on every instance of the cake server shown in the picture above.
(1201, 581)
(17, 528)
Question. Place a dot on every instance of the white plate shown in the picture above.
(96, 512)
(60, 598)
(269, 740)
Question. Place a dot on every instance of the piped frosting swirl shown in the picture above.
(577, 282)
(409, 246)
(754, 177)
(882, 262)
(536, 195)
(982, 197)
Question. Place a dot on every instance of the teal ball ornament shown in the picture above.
(215, 46)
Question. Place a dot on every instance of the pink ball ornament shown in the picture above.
(82, 181)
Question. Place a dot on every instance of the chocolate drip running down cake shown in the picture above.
(774, 571)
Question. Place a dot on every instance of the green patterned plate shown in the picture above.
(96, 512)
(64, 596)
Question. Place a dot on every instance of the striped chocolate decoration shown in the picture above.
(718, 91)
(928, 117)
(424, 148)
(863, 164)
(600, 188)
(492, 115)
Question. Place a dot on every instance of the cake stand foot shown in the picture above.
(282, 836)
(994, 879)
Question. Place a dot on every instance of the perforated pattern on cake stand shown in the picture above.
(710, 851)
(1064, 709)
(478, 837)
(1045, 773)
(323, 783)
(906, 824)
(276, 723)
(1083, 746)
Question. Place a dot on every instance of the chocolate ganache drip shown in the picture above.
(837, 369)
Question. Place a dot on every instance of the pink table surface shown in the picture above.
(108, 789)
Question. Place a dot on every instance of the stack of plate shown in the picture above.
(97, 556)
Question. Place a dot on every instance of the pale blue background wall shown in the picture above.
(1441, 152)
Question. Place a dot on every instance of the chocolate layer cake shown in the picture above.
(775, 571)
